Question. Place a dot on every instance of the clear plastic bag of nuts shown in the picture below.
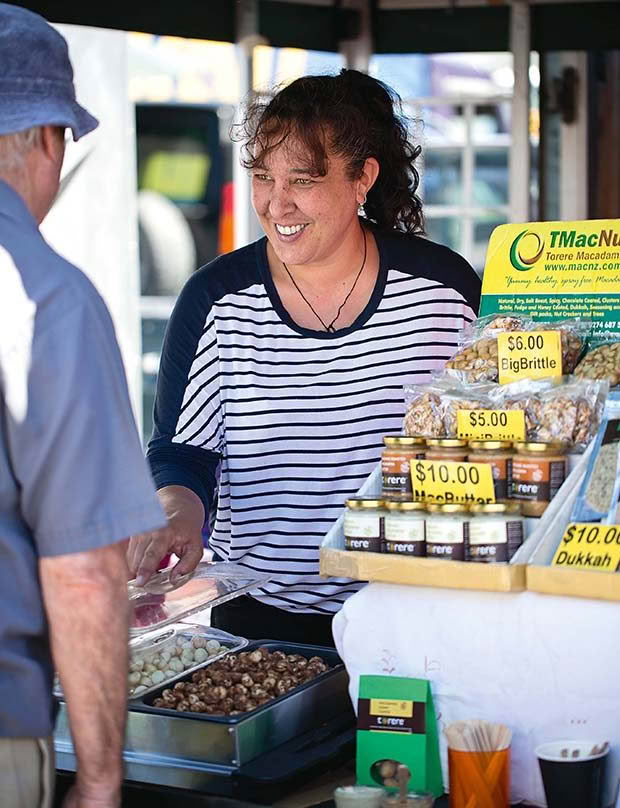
(432, 408)
(566, 409)
(602, 362)
(476, 359)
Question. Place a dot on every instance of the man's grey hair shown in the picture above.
(15, 146)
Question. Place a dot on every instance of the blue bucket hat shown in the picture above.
(36, 77)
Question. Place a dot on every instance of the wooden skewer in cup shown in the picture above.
(403, 776)
(480, 737)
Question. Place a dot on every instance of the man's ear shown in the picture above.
(52, 141)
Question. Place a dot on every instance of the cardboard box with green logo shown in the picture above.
(396, 722)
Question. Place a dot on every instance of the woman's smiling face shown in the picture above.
(306, 218)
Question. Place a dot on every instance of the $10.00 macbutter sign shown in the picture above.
(556, 271)
(447, 482)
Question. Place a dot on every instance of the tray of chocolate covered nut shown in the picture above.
(240, 683)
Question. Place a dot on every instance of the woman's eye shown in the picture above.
(303, 181)
(262, 177)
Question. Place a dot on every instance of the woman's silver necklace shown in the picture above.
(330, 327)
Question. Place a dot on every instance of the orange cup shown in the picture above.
(479, 779)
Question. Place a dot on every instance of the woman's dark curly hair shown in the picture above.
(351, 115)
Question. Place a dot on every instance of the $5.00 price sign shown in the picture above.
(528, 355)
(446, 482)
(589, 546)
(490, 424)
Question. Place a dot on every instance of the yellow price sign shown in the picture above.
(528, 355)
(589, 546)
(448, 482)
(490, 424)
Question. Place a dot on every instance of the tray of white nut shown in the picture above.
(160, 658)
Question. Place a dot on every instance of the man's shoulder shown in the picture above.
(50, 282)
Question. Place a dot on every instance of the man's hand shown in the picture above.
(77, 797)
(183, 536)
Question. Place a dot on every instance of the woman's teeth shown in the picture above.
(289, 231)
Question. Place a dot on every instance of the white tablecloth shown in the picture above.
(548, 667)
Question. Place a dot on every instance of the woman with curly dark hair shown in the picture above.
(284, 362)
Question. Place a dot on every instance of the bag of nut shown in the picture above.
(600, 489)
(432, 408)
(601, 362)
(567, 409)
(423, 410)
(476, 359)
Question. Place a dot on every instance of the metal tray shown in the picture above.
(188, 749)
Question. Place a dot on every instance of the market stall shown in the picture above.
(490, 533)
(453, 551)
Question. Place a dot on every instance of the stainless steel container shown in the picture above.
(189, 749)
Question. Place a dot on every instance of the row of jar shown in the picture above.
(487, 533)
(531, 473)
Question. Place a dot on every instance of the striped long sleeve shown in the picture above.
(287, 422)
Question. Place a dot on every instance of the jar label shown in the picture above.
(452, 552)
(404, 529)
(396, 473)
(494, 540)
(502, 474)
(485, 530)
(536, 479)
(446, 538)
(360, 525)
(406, 548)
(373, 545)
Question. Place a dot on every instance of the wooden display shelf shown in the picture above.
(573, 583)
(398, 569)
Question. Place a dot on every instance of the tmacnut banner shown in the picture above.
(556, 271)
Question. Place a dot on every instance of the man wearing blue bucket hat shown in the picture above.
(73, 480)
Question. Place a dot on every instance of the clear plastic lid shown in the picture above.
(159, 658)
(161, 602)
(164, 656)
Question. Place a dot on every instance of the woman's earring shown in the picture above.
(360, 209)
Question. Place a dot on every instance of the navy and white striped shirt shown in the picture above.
(291, 421)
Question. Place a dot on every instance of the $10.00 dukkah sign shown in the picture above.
(589, 546)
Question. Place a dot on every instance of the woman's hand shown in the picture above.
(183, 536)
